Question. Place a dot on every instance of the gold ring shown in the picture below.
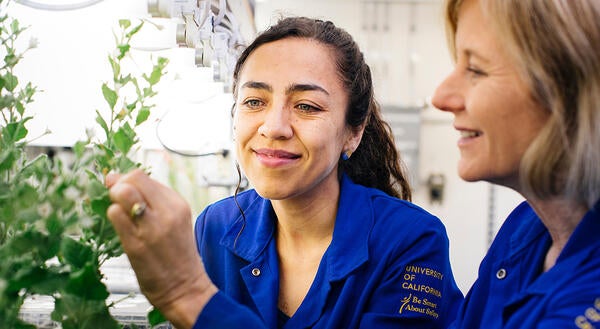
(137, 210)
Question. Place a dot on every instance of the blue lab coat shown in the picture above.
(512, 291)
(386, 267)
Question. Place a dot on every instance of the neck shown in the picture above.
(561, 217)
(304, 220)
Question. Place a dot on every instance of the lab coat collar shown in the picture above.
(251, 232)
(349, 246)
(525, 235)
(581, 244)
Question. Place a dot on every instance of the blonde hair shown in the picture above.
(556, 46)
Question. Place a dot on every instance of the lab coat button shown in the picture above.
(256, 271)
(501, 274)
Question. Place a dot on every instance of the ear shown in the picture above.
(354, 138)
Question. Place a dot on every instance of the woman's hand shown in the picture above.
(159, 242)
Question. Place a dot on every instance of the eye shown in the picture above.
(475, 72)
(253, 103)
(307, 108)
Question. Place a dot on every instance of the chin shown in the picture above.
(469, 175)
(468, 178)
(271, 193)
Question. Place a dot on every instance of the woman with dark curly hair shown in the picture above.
(326, 237)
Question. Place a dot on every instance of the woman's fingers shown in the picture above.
(159, 241)
(111, 179)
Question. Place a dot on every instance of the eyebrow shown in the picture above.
(473, 53)
(305, 87)
(257, 85)
(296, 87)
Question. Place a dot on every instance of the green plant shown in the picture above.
(54, 234)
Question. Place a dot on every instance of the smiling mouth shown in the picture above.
(469, 134)
(276, 154)
(280, 156)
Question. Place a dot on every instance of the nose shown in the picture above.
(449, 95)
(276, 123)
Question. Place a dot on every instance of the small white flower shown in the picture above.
(33, 42)
(82, 176)
(72, 193)
(44, 209)
(90, 133)
(86, 222)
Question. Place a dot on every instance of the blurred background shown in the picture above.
(403, 41)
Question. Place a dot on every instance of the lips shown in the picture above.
(468, 136)
(271, 158)
(269, 153)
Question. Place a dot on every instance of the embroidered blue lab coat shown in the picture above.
(512, 291)
(386, 267)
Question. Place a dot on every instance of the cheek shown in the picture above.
(241, 126)
(241, 132)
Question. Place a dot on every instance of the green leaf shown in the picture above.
(10, 81)
(11, 59)
(124, 138)
(102, 123)
(127, 79)
(28, 242)
(142, 115)
(51, 281)
(95, 189)
(134, 30)
(28, 92)
(86, 284)
(26, 277)
(124, 23)
(54, 225)
(99, 206)
(75, 253)
(116, 67)
(79, 148)
(27, 196)
(131, 106)
(20, 108)
(15, 131)
(124, 164)
(155, 75)
(148, 92)
(162, 62)
(14, 27)
(123, 50)
(74, 312)
(37, 167)
(8, 157)
(155, 317)
(110, 96)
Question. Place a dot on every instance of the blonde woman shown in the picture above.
(525, 94)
